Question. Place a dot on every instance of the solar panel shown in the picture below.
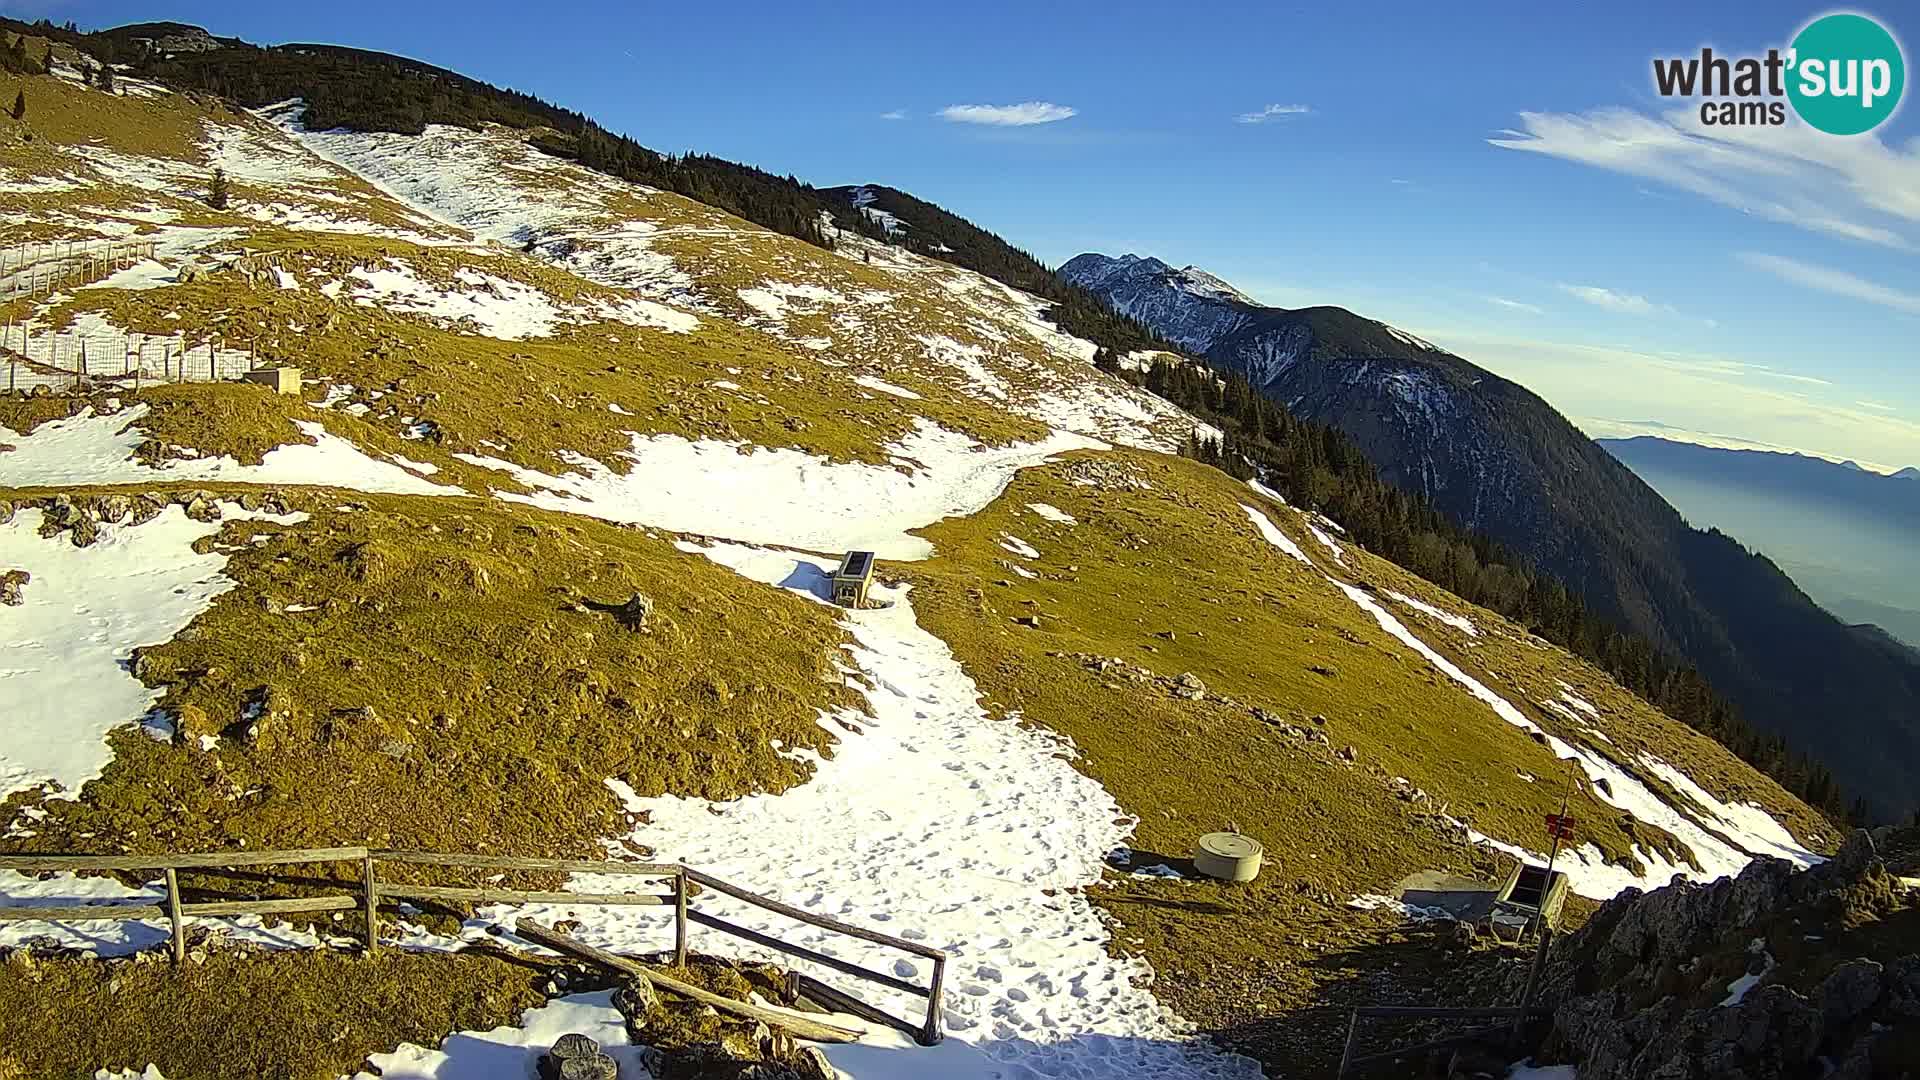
(857, 563)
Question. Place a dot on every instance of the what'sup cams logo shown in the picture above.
(1843, 75)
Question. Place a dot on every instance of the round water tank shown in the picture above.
(1228, 856)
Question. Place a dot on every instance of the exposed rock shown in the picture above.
(1637, 994)
(201, 506)
(191, 723)
(6, 511)
(1849, 990)
(13, 584)
(113, 509)
(633, 613)
(85, 532)
(1189, 686)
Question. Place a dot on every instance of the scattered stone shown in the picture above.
(1327, 670)
(6, 511)
(1347, 753)
(1189, 687)
(1030, 621)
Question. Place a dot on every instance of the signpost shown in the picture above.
(1559, 827)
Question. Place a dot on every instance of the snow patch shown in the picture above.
(783, 496)
(85, 611)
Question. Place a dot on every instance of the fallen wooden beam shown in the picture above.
(812, 1030)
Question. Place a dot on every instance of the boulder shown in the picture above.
(191, 723)
(13, 584)
(1849, 990)
(1189, 687)
(85, 532)
(634, 611)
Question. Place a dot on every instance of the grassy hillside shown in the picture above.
(534, 391)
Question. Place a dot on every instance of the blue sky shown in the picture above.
(1507, 185)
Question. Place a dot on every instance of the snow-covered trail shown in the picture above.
(939, 824)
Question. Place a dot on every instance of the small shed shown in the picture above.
(283, 380)
(852, 579)
(1531, 891)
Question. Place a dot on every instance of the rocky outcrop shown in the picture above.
(1738, 978)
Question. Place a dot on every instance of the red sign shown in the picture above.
(1561, 825)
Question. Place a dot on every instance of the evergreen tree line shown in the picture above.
(1317, 467)
(365, 91)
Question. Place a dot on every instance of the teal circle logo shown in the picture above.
(1846, 74)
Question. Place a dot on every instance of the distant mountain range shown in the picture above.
(1845, 534)
(1497, 458)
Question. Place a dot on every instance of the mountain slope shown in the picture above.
(1844, 534)
(1497, 458)
(535, 563)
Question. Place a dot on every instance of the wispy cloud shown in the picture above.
(1702, 392)
(1022, 115)
(1837, 282)
(1877, 406)
(1856, 188)
(894, 114)
(1531, 309)
(1272, 112)
(1624, 303)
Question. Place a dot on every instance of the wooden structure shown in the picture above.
(852, 579)
(1507, 1036)
(283, 380)
(681, 883)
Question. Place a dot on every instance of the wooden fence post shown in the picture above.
(371, 899)
(680, 917)
(173, 916)
(930, 1034)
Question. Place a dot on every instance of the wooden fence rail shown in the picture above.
(681, 882)
(1506, 1034)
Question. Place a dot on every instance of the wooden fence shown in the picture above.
(1506, 1035)
(681, 884)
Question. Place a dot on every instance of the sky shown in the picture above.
(1508, 185)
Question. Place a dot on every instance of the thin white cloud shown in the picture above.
(1272, 112)
(1837, 282)
(1624, 303)
(1531, 309)
(1878, 406)
(1701, 392)
(1856, 188)
(1022, 115)
(894, 114)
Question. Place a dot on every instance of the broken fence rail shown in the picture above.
(372, 891)
(1503, 1032)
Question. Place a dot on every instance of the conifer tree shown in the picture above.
(217, 195)
(46, 60)
(20, 105)
(106, 78)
